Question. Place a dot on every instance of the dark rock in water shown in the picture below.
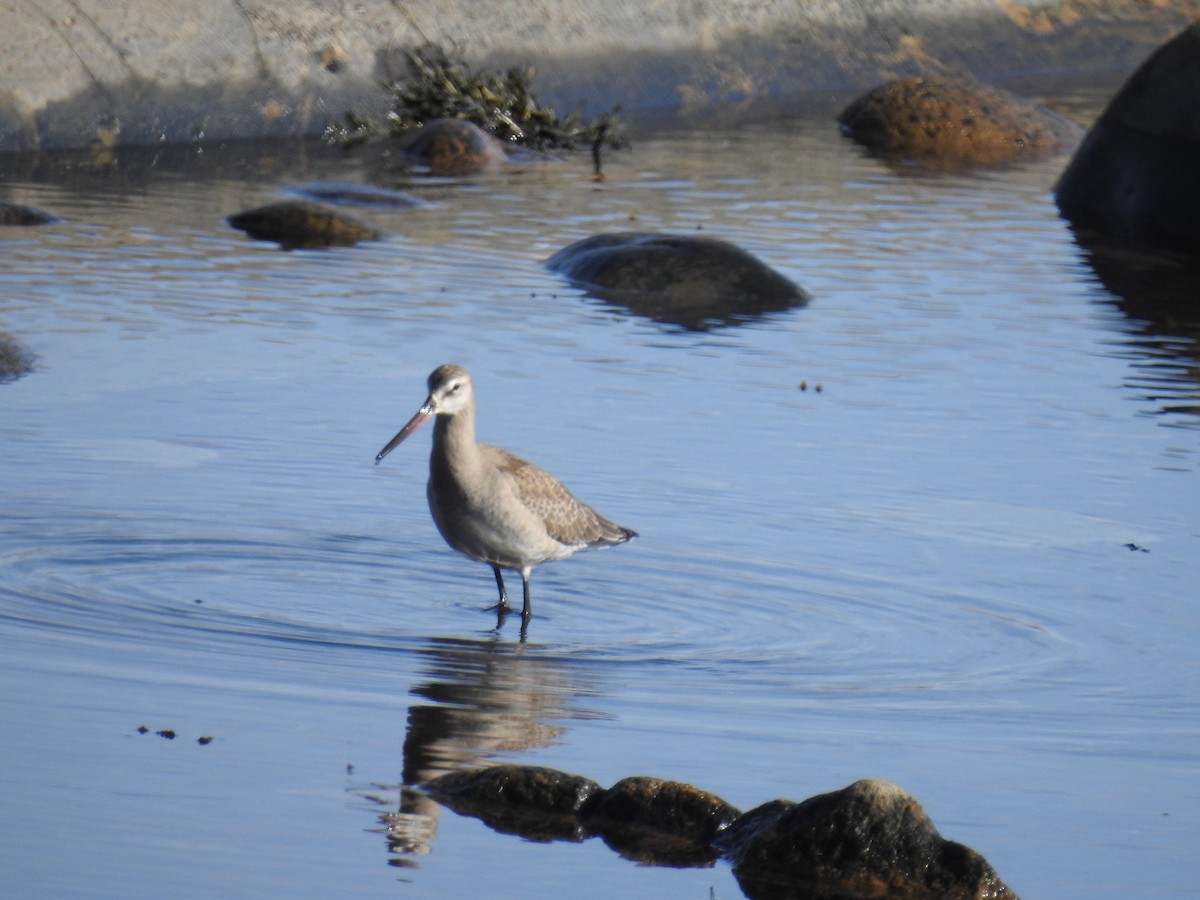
(952, 122)
(1136, 176)
(661, 823)
(345, 193)
(452, 147)
(534, 787)
(298, 224)
(668, 806)
(15, 360)
(695, 282)
(533, 802)
(19, 214)
(870, 839)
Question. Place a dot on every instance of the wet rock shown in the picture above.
(533, 802)
(950, 122)
(694, 282)
(1136, 176)
(661, 823)
(452, 147)
(298, 224)
(668, 806)
(15, 360)
(870, 839)
(19, 214)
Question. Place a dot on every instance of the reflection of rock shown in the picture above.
(690, 281)
(452, 147)
(345, 193)
(296, 224)
(19, 214)
(1136, 176)
(870, 839)
(15, 360)
(1158, 292)
(953, 122)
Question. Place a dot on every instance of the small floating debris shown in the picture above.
(300, 224)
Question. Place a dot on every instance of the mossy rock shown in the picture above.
(954, 122)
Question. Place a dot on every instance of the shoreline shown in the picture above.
(152, 72)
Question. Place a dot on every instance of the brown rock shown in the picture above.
(666, 806)
(536, 803)
(1136, 176)
(952, 121)
(532, 787)
(452, 147)
(870, 839)
(298, 224)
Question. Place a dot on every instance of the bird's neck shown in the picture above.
(454, 441)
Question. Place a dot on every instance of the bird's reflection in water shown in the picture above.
(487, 698)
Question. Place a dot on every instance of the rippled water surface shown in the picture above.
(939, 526)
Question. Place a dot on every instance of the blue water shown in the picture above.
(920, 572)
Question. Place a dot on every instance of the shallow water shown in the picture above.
(966, 564)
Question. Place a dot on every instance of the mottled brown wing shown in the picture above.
(567, 519)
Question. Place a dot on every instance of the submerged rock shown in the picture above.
(296, 224)
(19, 214)
(1136, 176)
(871, 839)
(15, 360)
(452, 147)
(954, 122)
(695, 282)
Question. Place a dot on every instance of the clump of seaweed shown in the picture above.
(439, 84)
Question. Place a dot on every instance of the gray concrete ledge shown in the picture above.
(76, 72)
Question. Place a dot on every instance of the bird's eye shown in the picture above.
(454, 387)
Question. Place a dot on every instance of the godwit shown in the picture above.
(490, 505)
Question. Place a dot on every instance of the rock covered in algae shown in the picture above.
(871, 839)
(297, 224)
(954, 121)
(682, 279)
(1136, 176)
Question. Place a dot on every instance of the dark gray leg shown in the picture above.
(526, 609)
(503, 593)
